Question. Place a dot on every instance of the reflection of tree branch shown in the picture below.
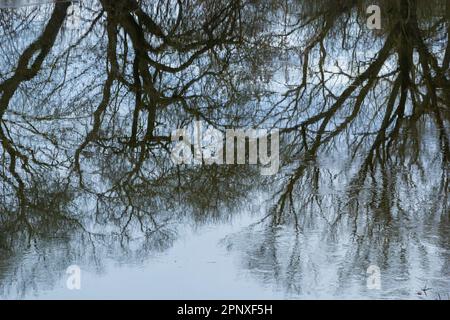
(25, 71)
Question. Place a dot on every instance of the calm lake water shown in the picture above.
(116, 156)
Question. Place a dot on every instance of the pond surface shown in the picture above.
(224, 150)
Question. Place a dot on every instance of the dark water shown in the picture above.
(90, 95)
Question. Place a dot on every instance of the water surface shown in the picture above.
(90, 96)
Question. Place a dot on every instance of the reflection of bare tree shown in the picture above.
(84, 142)
(133, 222)
(86, 120)
(144, 69)
(391, 98)
(369, 149)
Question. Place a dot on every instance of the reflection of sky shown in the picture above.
(196, 267)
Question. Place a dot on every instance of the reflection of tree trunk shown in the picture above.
(446, 61)
(405, 56)
(26, 70)
(106, 96)
(434, 77)
(42, 47)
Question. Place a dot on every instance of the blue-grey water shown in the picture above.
(355, 204)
